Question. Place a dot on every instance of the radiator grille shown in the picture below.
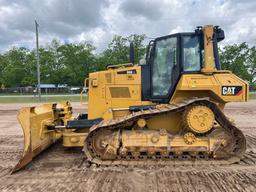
(120, 92)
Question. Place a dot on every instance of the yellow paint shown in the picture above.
(104, 97)
(202, 85)
(209, 63)
(199, 119)
(152, 141)
(141, 123)
(170, 122)
(73, 139)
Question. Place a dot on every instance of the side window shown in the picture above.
(191, 50)
(163, 63)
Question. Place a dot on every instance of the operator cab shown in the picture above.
(169, 57)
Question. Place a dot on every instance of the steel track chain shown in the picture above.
(235, 154)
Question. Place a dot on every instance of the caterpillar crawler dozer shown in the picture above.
(169, 109)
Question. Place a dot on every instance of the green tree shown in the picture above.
(139, 47)
(118, 50)
(2, 67)
(252, 66)
(13, 64)
(235, 58)
(75, 60)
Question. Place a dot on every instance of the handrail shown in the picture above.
(119, 65)
(84, 90)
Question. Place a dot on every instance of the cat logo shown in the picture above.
(231, 90)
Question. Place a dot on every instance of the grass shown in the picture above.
(44, 99)
(252, 95)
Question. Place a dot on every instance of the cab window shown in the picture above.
(191, 53)
(163, 63)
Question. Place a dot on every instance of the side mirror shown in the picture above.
(143, 61)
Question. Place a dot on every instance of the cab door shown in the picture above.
(165, 70)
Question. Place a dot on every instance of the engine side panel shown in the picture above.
(222, 87)
(113, 91)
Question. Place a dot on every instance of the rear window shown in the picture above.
(191, 53)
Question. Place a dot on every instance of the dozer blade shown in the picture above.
(35, 123)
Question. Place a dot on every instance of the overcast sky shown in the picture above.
(98, 20)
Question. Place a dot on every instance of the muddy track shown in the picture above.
(67, 169)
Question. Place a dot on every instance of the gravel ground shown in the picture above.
(59, 169)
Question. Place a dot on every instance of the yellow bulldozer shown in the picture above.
(168, 108)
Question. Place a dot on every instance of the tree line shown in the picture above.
(70, 63)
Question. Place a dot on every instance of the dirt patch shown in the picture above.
(67, 169)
